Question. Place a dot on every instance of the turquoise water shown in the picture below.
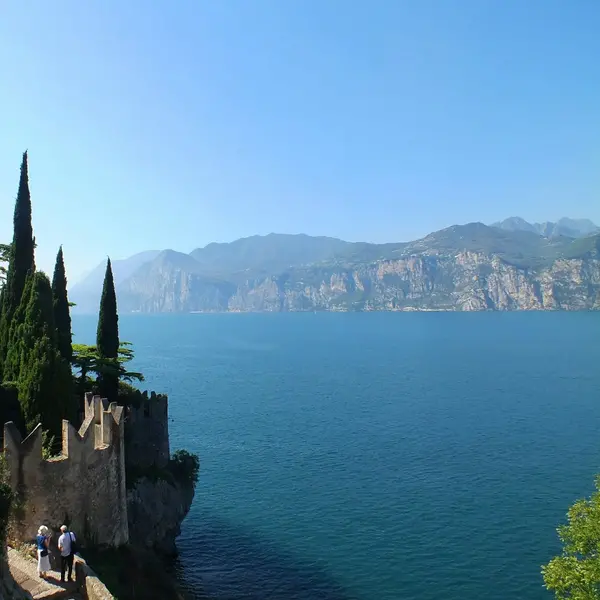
(378, 456)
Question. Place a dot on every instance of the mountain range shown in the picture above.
(568, 227)
(510, 265)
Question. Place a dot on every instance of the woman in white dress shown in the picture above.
(43, 542)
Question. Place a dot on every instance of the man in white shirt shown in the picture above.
(66, 545)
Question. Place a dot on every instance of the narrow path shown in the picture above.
(24, 572)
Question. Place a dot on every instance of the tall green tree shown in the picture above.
(23, 245)
(62, 316)
(43, 377)
(21, 256)
(575, 573)
(107, 337)
(19, 337)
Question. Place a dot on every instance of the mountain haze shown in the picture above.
(568, 227)
(87, 291)
(511, 266)
(173, 282)
(266, 254)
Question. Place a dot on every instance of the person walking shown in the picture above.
(66, 545)
(43, 542)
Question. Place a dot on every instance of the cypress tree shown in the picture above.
(19, 338)
(22, 255)
(62, 316)
(43, 377)
(107, 337)
(21, 261)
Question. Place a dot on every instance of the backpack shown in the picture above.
(73, 543)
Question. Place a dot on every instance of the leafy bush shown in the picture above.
(6, 497)
(185, 467)
(575, 572)
(5, 502)
(51, 445)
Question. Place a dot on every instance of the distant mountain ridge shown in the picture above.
(574, 228)
(511, 265)
(267, 254)
(88, 289)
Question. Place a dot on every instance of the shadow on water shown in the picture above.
(224, 563)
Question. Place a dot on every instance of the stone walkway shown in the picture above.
(24, 572)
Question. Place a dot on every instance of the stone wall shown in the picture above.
(89, 583)
(9, 588)
(84, 487)
(147, 433)
(156, 502)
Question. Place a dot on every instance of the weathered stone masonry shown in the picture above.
(147, 433)
(112, 483)
(83, 487)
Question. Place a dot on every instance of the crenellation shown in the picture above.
(94, 406)
(70, 437)
(116, 411)
(147, 432)
(12, 438)
(61, 486)
(85, 486)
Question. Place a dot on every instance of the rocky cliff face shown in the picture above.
(156, 509)
(463, 267)
(465, 281)
(171, 283)
(160, 485)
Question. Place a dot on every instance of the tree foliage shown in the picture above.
(37, 356)
(62, 316)
(6, 499)
(107, 338)
(42, 376)
(84, 361)
(575, 574)
(87, 359)
(107, 335)
(21, 258)
(185, 466)
(22, 255)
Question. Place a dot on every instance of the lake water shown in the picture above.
(380, 456)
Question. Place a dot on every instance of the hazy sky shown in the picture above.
(171, 124)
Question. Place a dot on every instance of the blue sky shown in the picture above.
(174, 124)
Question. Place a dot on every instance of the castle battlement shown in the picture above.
(84, 486)
(150, 406)
(104, 417)
(147, 431)
(103, 423)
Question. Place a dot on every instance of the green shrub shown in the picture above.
(185, 467)
(6, 497)
(51, 446)
(5, 500)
